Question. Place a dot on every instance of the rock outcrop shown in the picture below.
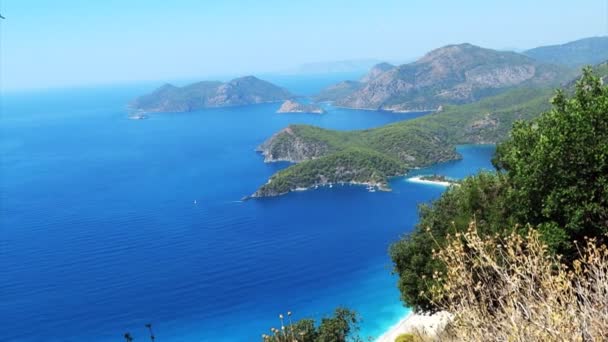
(291, 106)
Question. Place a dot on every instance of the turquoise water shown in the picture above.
(100, 232)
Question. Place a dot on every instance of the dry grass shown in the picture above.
(512, 289)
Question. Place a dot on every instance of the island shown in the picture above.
(290, 106)
(209, 94)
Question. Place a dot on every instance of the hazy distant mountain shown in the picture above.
(574, 54)
(338, 90)
(376, 71)
(208, 94)
(453, 74)
(347, 66)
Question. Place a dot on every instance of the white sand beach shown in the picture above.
(418, 179)
(428, 325)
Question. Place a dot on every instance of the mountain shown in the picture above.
(587, 51)
(453, 74)
(209, 94)
(345, 66)
(338, 91)
(376, 71)
(345, 88)
(328, 156)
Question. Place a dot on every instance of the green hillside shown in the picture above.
(415, 143)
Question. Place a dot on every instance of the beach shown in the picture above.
(418, 179)
(413, 323)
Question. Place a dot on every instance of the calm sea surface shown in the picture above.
(100, 232)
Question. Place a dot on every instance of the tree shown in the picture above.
(480, 196)
(340, 327)
(552, 173)
(557, 166)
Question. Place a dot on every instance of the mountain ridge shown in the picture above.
(452, 74)
(591, 50)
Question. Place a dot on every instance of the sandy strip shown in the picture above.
(418, 179)
(428, 325)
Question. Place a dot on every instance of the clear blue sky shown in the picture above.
(46, 43)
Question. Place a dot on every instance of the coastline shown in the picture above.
(418, 179)
(413, 323)
(371, 187)
(383, 109)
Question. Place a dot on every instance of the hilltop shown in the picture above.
(209, 94)
(453, 74)
(577, 53)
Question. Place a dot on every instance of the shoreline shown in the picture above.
(413, 323)
(419, 180)
(370, 187)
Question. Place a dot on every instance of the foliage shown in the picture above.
(340, 327)
(416, 143)
(351, 165)
(514, 289)
(557, 166)
(129, 338)
(478, 196)
(554, 177)
(406, 338)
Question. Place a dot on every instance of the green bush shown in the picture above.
(405, 338)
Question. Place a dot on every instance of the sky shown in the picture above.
(57, 43)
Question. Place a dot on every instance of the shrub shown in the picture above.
(340, 327)
(514, 289)
(406, 338)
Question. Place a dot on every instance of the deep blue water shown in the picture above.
(100, 233)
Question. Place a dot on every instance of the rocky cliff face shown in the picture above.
(287, 145)
(291, 106)
(453, 74)
(237, 92)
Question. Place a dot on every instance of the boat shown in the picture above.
(138, 117)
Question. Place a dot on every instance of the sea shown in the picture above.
(108, 224)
